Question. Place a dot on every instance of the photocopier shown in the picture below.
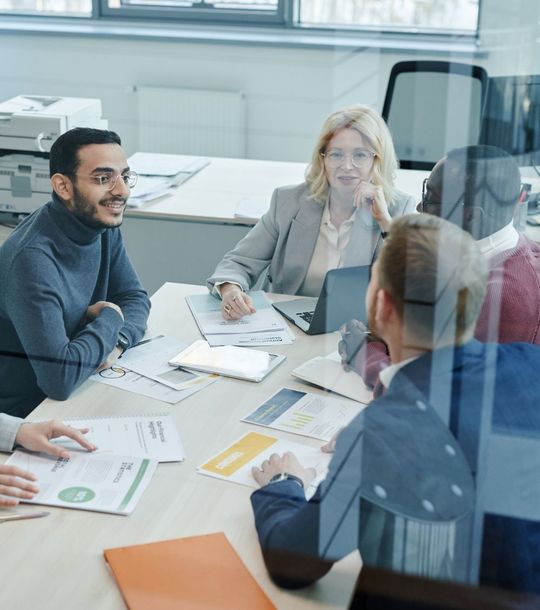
(29, 124)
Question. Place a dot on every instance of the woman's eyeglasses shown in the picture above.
(360, 158)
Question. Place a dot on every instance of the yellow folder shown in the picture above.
(196, 573)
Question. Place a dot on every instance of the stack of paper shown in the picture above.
(144, 369)
(159, 173)
(265, 327)
(148, 188)
(328, 373)
(113, 478)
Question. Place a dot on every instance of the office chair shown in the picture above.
(432, 107)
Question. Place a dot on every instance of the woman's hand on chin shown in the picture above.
(371, 196)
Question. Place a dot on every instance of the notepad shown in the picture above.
(328, 373)
(195, 573)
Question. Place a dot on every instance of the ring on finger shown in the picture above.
(227, 309)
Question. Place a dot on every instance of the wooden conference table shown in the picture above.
(56, 563)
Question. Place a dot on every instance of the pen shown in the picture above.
(148, 340)
(20, 516)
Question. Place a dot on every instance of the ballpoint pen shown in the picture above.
(20, 516)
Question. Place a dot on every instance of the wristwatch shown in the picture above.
(122, 342)
(285, 476)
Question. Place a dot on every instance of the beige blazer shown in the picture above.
(282, 243)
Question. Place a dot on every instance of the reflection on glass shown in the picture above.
(259, 5)
(76, 8)
(387, 14)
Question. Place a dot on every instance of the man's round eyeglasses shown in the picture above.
(109, 180)
(359, 158)
(435, 208)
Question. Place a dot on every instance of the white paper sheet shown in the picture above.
(146, 436)
(329, 374)
(148, 188)
(235, 462)
(151, 359)
(86, 481)
(121, 378)
(279, 337)
(206, 310)
(160, 164)
(305, 413)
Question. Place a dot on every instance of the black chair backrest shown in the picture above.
(432, 107)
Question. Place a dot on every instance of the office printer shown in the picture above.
(29, 124)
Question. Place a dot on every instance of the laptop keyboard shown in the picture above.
(307, 316)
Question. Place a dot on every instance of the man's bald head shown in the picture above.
(475, 187)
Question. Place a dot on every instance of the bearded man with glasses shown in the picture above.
(478, 189)
(70, 300)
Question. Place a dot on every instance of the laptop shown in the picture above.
(342, 298)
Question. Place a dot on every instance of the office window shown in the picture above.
(241, 11)
(71, 8)
(257, 5)
(430, 15)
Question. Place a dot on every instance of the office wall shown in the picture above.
(511, 32)
(288, 90)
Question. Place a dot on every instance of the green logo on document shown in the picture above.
(76, 495)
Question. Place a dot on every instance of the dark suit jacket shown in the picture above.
(301, 540)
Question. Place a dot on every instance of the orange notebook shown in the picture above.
(196, 573)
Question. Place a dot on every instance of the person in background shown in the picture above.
(70, 300)
(17, 484)
(425, 294)
(336, 218)
(477, 188)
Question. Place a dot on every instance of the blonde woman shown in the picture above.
(336, 218)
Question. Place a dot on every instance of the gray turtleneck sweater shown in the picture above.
(52, 267)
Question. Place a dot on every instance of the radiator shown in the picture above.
(191, 121)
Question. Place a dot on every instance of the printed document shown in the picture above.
(305, 413)
(206, 310)
(278, 337)
(151, 359)
(148, 188)
(328, 373)
(98, 482)
(234, 463)
(161, 164)
(121, 378)
(146, 436)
